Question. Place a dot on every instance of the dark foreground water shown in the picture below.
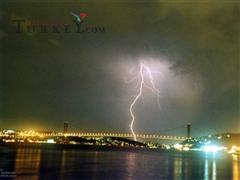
(36, 163)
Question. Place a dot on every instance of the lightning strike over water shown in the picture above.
(144, 71)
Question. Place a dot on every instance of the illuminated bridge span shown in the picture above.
(123, 135)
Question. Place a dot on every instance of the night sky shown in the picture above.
(89, 79)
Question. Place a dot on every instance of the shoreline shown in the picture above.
(73, 146)
(80, 147)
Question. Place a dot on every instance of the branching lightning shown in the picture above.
(144, 71)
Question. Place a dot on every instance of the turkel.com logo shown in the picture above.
(79, 18)
(77, 24)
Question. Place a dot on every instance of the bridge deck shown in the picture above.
(123, 135)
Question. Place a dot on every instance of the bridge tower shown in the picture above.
(65, 127)
(189, 131)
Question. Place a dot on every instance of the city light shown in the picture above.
(213, 148)
(51, 141)
(234, 149)
(210, 144)
(178, 146)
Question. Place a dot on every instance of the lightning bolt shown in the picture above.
(144, 70)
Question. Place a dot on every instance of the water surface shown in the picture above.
(37, 163)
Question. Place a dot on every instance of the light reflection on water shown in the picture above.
(236, 167)
(27, 161)
(34, 163)
(177, 167)
(131, 164)
(206, 170)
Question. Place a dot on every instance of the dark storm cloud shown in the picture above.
(49, 78)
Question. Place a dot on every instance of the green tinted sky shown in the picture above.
(50, 78)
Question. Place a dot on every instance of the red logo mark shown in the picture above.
(82, 16)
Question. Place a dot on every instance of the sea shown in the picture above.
(50, 163)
